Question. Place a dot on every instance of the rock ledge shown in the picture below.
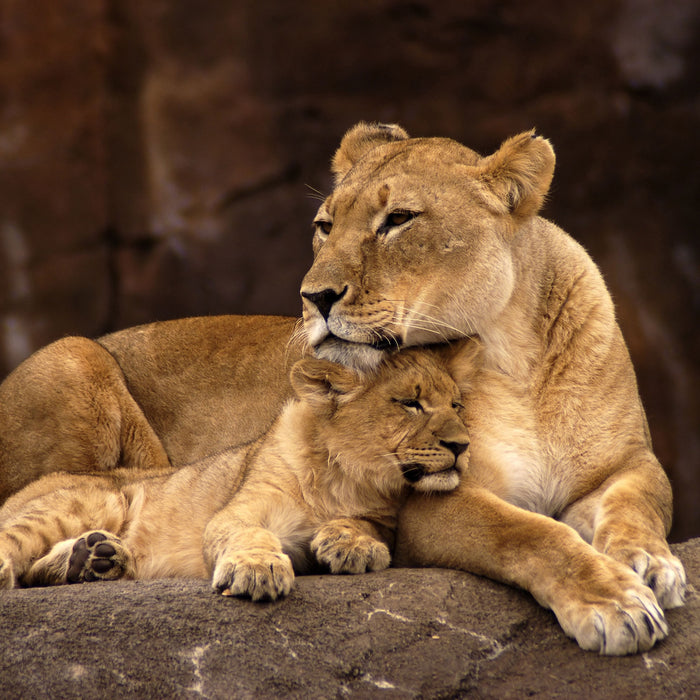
(397, 634)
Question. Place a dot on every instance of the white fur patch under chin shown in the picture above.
(363, 358)
(315, 330)
(441, 481)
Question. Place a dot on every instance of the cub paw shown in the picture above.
(346, 551)
(259, 575)
(97, 556)
(7, 574)
(615, 617)
(665, 576)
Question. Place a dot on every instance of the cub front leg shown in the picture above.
(598, 601)
(350, 546)
(246, 559)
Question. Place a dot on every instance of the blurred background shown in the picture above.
(160, 159)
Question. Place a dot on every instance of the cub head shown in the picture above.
(399, 425)
(413, 246)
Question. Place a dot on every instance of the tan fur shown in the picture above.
(422, 240)
(163, 394)
(309, 491)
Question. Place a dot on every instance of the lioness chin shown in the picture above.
(421, 241)
(308, 493)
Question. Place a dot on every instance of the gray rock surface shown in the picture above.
(397, 634)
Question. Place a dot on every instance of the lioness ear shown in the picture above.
(358, 140)
(321, 383)
(517, 176)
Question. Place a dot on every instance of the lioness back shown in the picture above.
(147, 397)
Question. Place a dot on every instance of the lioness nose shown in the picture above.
(324, 300)
(456, 448)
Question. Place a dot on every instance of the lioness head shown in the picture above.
(414, 244)
(400, 424)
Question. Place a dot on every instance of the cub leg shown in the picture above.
(598, 601)
(245, 557)
(628, 518)
(350, 546)
(36, 543)
(94, 556)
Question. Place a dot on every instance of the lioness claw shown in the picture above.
(664, 575)
(631, 624)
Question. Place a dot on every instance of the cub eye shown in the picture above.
(457, 406)
(323, 226)
(413, 405)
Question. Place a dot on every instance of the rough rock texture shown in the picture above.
(159, 159)
(427, 633)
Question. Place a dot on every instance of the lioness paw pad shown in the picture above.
(266, 576)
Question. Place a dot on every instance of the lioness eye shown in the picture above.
(457, 406)
(395, 219)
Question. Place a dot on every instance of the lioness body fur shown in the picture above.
(421, 241)
(305, 494)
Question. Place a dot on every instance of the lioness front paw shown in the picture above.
(346, 551)
(97, 556)
(259, 576)
(617, 617)
(665, 576)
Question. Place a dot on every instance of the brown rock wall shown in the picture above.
(157, 159)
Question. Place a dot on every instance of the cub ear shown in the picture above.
(517, 176)
(360, 139)
(321, 383)
(465, 360)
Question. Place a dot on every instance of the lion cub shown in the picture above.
(321, 488)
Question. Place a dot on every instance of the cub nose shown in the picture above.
(324, 300)
(456, 448)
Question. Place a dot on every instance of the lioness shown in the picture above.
(421, 241)
(250, 517)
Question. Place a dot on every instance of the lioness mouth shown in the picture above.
(381, 343)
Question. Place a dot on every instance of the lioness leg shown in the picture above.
(37, 542)
(628, 520)
(601, 603)
(67, 408)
